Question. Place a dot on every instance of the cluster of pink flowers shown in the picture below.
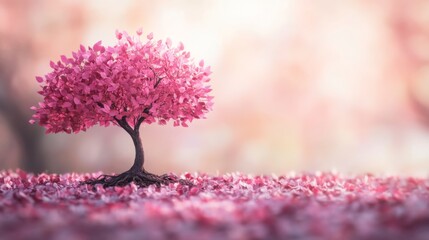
(231, 206)
(134, 79)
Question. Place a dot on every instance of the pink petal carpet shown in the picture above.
(230, 206)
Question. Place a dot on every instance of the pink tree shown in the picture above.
(130, 83)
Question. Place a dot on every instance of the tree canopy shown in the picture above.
(138, 80)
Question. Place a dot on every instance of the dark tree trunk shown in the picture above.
(136, 173)
(139, 158)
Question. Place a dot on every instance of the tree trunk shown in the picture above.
(136, 173)
(139, 158)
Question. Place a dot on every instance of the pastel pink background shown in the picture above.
(299, 85)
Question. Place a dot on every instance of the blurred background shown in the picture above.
(299, 85)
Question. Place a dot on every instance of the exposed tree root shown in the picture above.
(141, 178)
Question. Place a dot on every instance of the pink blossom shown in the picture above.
(150, 36)
(134, 79)
(139, 31)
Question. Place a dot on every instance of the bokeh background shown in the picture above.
(299, 85)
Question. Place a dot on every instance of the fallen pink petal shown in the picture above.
(230, 206)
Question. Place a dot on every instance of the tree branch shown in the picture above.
(158, 79)
(121, 122)
(124, 124)
(141, 119)
(139, 122)
(146, 110)
(157, 82)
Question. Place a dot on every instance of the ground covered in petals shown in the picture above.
(231, 206)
